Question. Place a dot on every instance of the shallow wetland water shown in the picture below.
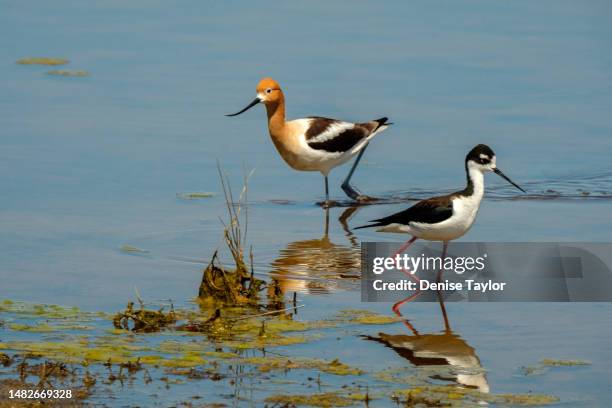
(110, 192)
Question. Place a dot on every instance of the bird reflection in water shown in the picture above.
(439, 349)
(320, 265)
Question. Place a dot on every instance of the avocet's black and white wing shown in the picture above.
(430, 211)
(335, 136)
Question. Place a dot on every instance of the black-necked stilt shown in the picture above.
(315, 143)
(444, 218)
(441, 349)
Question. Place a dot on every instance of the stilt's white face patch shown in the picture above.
(492, 164)
(484, 163)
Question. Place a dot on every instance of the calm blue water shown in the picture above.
(90, 164)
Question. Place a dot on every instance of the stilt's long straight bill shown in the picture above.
(502, 175)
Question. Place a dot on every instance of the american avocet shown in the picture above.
(308, 265)
(315, 143)
(445, 218)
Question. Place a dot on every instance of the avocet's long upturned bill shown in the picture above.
(447, 217)
(315, 143)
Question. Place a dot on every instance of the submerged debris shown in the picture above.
(194, 195)
(68, 73)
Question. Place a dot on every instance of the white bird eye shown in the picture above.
(269, 90)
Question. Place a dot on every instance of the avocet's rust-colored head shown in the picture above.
(268, 92)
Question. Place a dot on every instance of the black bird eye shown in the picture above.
(483, 160)
(269, 90)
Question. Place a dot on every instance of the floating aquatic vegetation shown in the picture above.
(68, 73)
(524, 400)
(455, 396)
(42, 61)
(197, 374)
(38, 328)
(130, 248)
(194, 195)
(72, 352)
(415, 397)
(229, 329)
(46, 311)
(270, 363)
(561, 363)
(365, 317)
(241, 329)
(547, 363)
(190, 359)
(327, 399)
(267, 341)
(220, 354)
(532, 370)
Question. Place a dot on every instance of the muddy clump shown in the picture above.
(229, 286)
(238, 286)
(143, 320)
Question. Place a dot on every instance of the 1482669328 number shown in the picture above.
(40, 394)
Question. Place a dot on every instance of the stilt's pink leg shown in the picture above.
(396, 307)
(444, 248)
(440, 298)
(405, 246)
(402, 249)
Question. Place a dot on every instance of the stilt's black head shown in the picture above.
(482, 158)
(480, 154)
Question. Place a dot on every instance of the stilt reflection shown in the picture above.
(442, 349)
